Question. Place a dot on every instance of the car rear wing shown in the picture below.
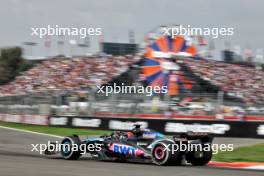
(204, 137)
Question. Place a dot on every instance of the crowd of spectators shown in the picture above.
(244, 82)
(239, 81)
(67, 74)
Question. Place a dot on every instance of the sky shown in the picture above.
(117, 17)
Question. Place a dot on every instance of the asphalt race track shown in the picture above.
(16, 158)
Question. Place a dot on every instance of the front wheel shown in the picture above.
(70, 148)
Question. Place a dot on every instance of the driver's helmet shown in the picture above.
(137, 128)
(137, 131)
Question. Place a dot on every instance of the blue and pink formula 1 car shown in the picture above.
(143, 145)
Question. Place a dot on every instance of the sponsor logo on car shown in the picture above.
(149, 135)
(125, 149)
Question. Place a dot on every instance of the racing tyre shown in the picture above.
(69, 152)
(199, 157)
(162, 154)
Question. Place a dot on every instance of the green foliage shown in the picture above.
(12, 64)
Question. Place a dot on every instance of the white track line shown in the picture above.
(255, 167)
(32, 132)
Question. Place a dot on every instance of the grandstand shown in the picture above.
(238, 81)
(196, 86)
(56, 81)
(60, 74)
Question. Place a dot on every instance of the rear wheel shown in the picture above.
(162, 154)
(70, 148)
(199, 157)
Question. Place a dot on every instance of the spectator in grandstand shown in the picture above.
(67, 74)
(239, 81)
(168, 113)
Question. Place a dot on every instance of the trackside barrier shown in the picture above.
(219, 128)
(167, 126)
(25, 119)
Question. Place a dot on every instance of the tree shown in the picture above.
(12, 63)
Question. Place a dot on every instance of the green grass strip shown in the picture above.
(60, 131)
(254, 153)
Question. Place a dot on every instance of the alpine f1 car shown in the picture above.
(142, 145)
